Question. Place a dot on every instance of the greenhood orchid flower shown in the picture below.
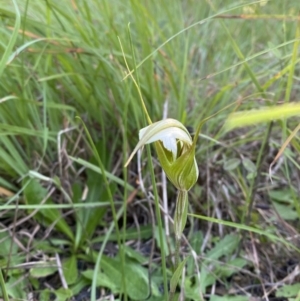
(175, 150)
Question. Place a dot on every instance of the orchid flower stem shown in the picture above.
(177, 252)
(179, 222)
(177, 262)
(179, 225)
(160, 227)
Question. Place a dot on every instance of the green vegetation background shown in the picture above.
(61, 195)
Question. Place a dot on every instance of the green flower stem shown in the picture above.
(179, 225)
(180, 213)
(177, 253)
(160, 227)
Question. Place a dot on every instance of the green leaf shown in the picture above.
(288, 291)
(225, 246)
(8, 250)
(136, 277)
(283, 195)
(134, 255)
(230, 267)
(70, 269)
(16, 287)
(177, 274)
(80, 285)
(63, 294)
(34, 195)
(90, 218)
(249, 165)
(286, 212)
(102, 280)
(45, 295)
(43, 269)
(231, 164)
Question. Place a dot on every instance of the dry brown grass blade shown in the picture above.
(5, 192)
(283, 147)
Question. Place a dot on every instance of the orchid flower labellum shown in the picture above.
(175, 150)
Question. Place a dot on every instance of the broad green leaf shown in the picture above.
(8, 250)
(90, 218)
(43, 269)
(97, 193)
(63, 294)
(102, 280)
(207, 277)
(136, 277)
(80, 285)
(249, 165)
(135, 255)
(288, 291)
(45, 295)
(35, 193)
(16, 287)
(70, 269)
(232, 164)
(230, 267)
(225, 246)
(286, 212)
(192, 289)
(283, 195)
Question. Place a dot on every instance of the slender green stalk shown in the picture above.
(123, 127)
(2, 285)
(159, 222)
(177, 261)
(137, 86)
(179, 225)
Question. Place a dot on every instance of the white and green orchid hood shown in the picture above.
(175, 150)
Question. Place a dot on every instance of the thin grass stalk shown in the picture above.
(3, 288)
(125, 176)
(159, 222)
(244, 227)
(12, 40)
